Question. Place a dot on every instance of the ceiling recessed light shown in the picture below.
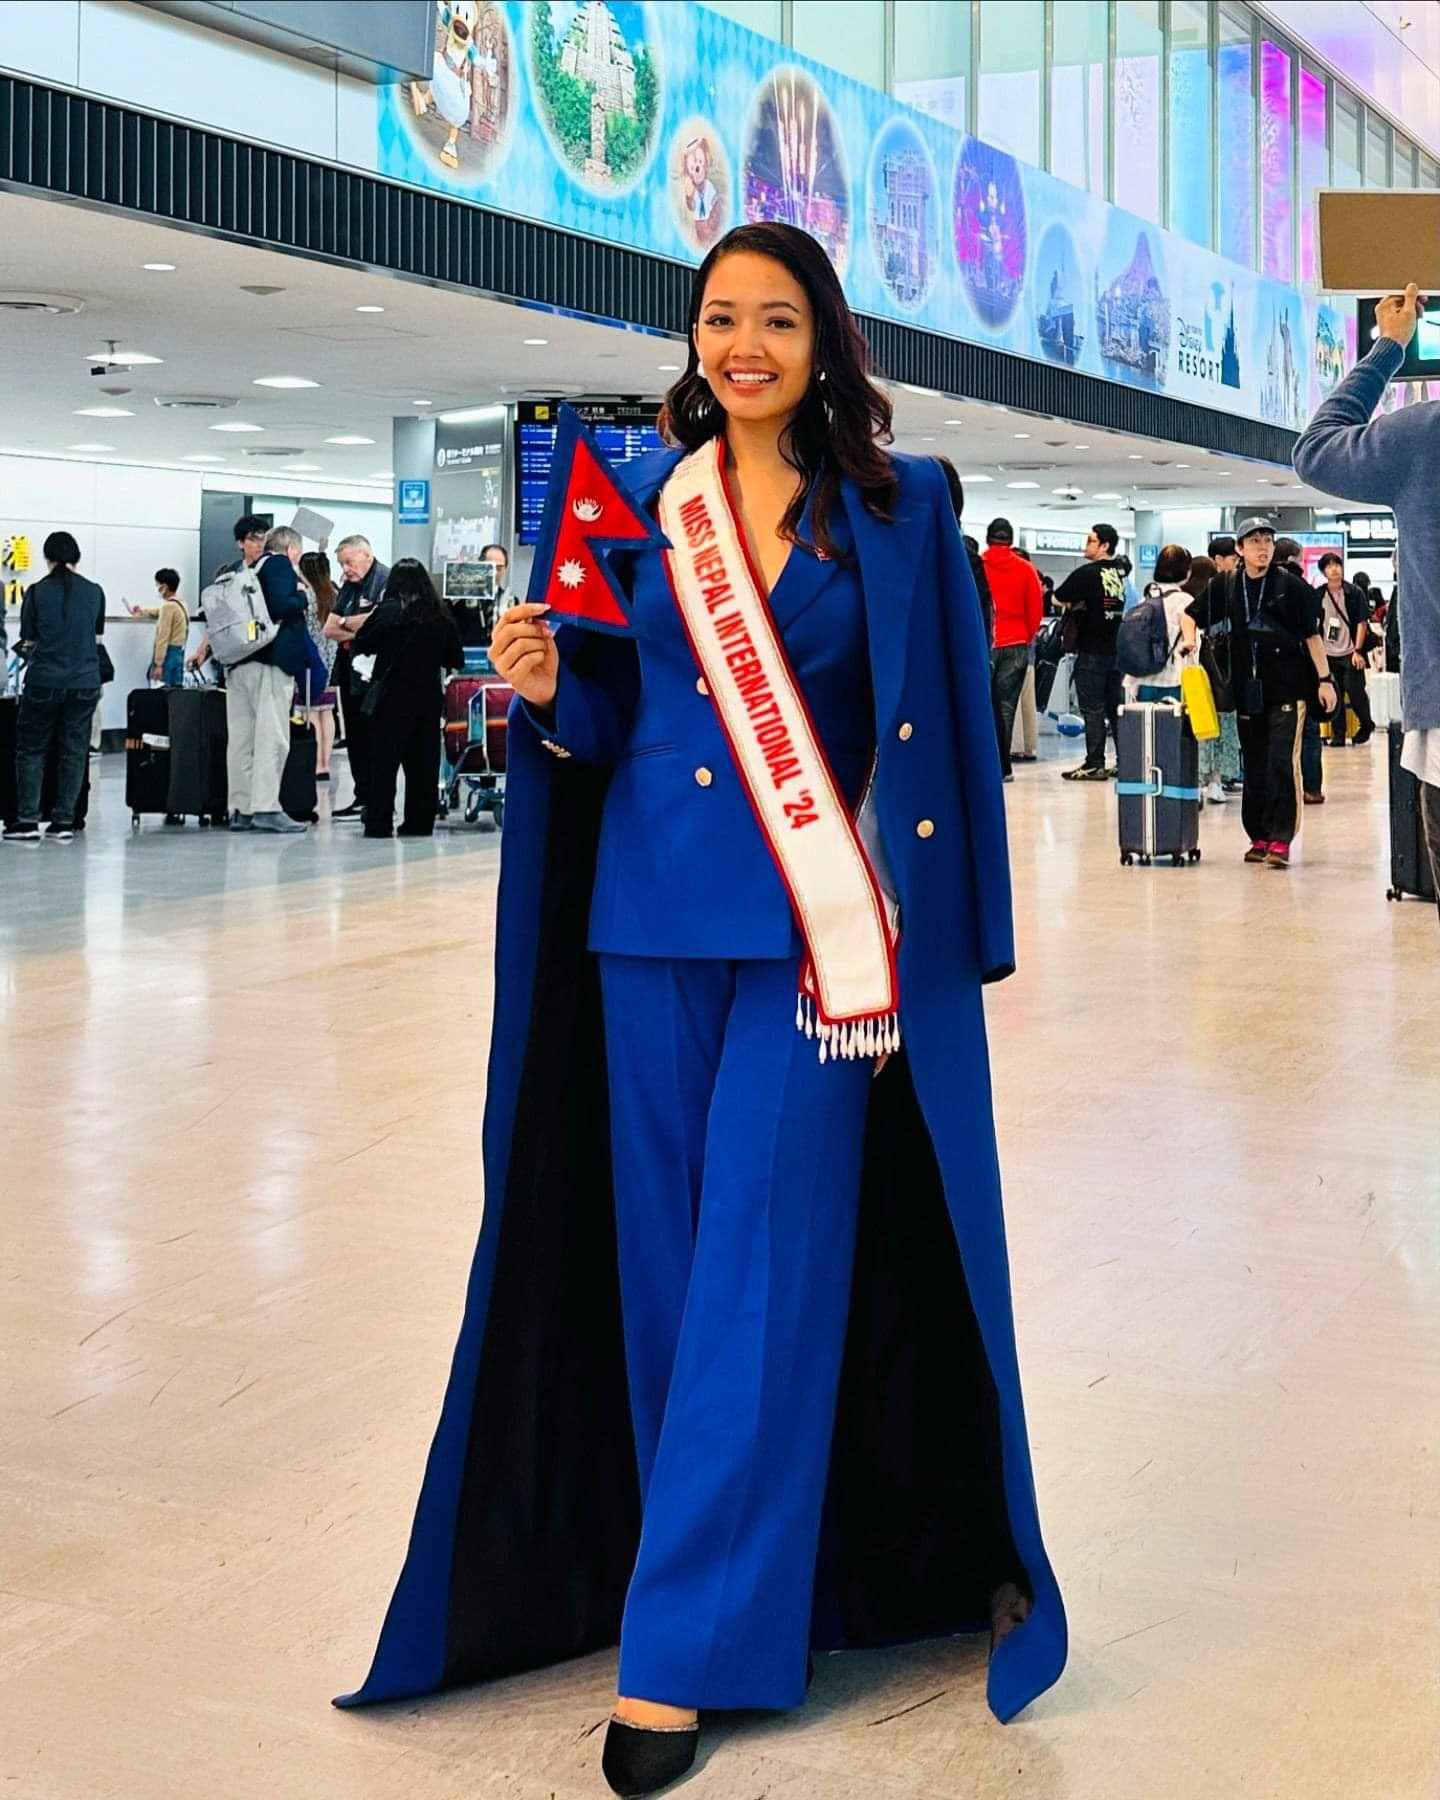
(349, 438)
(535, 343)
(669, 368)
(89, 446)
(422, 402)
(1135, 456)
(1022, 484)
(1074, 492)
(1182, 465)
(1079, 446)
(284, 381)
(1262, 481)
(159, 268)
(382, 475)
(971, 480)
(371, 309)
(954, 421)
(103, 412)
(125, 359)
(204, 456)
(236, 425)
(1022, 434)
(303, 468)
(1107, 496)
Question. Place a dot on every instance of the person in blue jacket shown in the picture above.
(260, 692)
(737, 1381)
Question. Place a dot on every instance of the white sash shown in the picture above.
(831, 866)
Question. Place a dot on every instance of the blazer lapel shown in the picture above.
(890, 558)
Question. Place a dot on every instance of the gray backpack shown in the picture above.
(236, 617)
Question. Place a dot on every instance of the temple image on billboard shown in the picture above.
(598, 93)
(905, 231)
(1132, 316)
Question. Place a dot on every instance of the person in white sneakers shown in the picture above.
(259, 693)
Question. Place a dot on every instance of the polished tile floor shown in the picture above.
(240, 1087)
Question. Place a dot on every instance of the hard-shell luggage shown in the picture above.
(1159, 784)
(147, 752)
(9, 797)
(297, 779)
(1409, 858)
(199, 781)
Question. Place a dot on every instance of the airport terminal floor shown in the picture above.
(242, 1089)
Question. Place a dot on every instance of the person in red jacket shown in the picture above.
(1015, 590)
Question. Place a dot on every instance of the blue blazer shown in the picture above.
(524, 1535)
(683, 869)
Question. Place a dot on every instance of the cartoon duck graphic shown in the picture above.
(449, 88)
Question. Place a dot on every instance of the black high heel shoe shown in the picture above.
(642, 1759)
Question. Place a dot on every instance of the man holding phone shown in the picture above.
(1268, 622)
(1394, 461)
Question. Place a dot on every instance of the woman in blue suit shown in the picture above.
(782, 1246)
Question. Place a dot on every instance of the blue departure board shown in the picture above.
(622, 431)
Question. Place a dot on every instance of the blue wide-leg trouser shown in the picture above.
(737, 1161)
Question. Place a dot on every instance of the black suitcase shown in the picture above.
(297, 781)
(147, 752)
(199, 782)
(1409, 859)
(9, 798)
(1159, 784)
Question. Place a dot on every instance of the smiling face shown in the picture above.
(697, 161)
(756, 337)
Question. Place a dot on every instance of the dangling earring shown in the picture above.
(700, 370)
(820, 376)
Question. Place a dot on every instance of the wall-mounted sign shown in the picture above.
(412, 502)
(659, 127)
(1057, 540)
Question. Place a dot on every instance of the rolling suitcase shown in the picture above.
(199, 782)
(9, 798)
(1409, 858)
(297, 780)
(147, 753)
(1048, 652)
(1159, 784)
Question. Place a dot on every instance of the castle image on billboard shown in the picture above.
(1132, 317)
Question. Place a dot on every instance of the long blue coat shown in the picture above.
(527, 1524)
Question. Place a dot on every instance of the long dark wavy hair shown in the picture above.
(844, 419)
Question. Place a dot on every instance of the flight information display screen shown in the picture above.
(623, 432)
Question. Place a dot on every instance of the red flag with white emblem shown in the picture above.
(587, 512)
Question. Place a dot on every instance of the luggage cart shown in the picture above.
(473, 746)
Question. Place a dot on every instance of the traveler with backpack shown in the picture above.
(1147, 645)
(1219, 764)
(1094, 596)
(256, 619)
(1345, 626)
(62, 618)
(1262, 626)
